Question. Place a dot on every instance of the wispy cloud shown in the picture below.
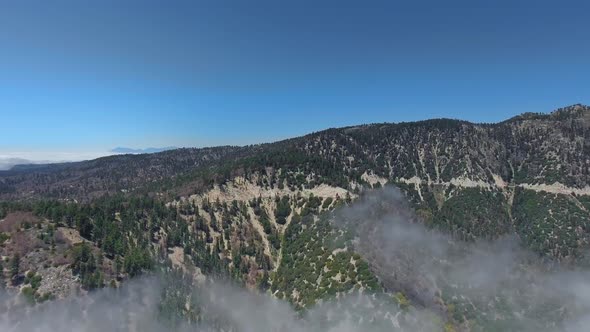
(499, 278)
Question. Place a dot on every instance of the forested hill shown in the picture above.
(264, 215)
(474, 179)
(533, 149)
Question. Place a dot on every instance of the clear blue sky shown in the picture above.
(92, 75)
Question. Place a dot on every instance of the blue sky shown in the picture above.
(78, 78)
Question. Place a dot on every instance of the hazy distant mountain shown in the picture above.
(121, 149)
(8, 163)
(26, 161)
(13, 163)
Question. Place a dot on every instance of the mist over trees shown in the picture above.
(483, 233)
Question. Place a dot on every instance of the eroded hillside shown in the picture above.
(269, 217)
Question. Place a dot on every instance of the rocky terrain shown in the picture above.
(295, 219)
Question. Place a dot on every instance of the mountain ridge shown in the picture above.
(125, 150)
(303, 219)
(447, 125)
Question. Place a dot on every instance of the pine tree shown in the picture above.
(14, 267)
(1, 274)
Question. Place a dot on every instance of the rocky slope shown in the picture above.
(269, 216)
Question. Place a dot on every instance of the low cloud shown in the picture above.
(507, 287)
(222, 307)
(499, 281)
(8, 163)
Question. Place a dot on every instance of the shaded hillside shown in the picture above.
(86, 180)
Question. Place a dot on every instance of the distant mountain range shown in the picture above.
(8, 163)
(138, 151)
(20, 164)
